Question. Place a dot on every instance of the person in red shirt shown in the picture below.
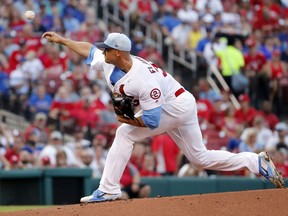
(33, 41)
(55, 64)
(149, 168)
(281, 159)
(266, 16)
(217, 115)
(85, 113)
(254, 61)
(13, 153)
(131, 184)
(18, 55)
(39, 123)
(245, 114)
(138, 154)
(166, 153)
(266, 112)
(78, 77)
(204, 107)
(151, 54)
(60, 111)
(15, 21)
(275, 69)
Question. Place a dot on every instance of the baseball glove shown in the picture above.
(123, 106)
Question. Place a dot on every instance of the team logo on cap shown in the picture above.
(155, 93)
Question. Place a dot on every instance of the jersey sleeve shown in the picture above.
(95, 58)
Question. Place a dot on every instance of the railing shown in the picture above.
(14, 121)
(116, 16)
(181, 58)
(112, 13)
(224, 85)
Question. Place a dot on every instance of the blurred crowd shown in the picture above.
(68, 107)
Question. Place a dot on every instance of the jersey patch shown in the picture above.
(155, 93)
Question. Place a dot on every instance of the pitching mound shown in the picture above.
(257, 202)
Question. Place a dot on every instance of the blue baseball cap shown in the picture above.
(116, 41)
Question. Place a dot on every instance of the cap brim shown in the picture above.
(102, 45)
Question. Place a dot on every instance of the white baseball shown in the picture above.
(30, 15)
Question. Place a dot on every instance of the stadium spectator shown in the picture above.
(85, 113)
(137, 42)
(168, 21)
(262, 130)
(98, 160)
(26, 159)
(275, 69)
(78, 77)
(55, 145)
(19, 89)
(13, 151)
(206, 92)
(190, 169)
(18, 55)
(39, 101)
(34, 68)
(229, 123)
(280, 135)
(86, 158)
(38, 125)
(245, 114)
(60, 110)
(107, 116)
(70, 23)
(4, 84)
(167, 154)
(100, 94)
(150, 53)
(232, 62)
(266, 112)
(203, 41)
(61, 159)
(217, 114)
(249, 144)
(281, 158)
(234, 142)
(131, 184)
(15, 20)
(254, 61)
(137, 155)
(55, 64)
(32, 144)
(204, 108)
(195, 35)
(78, 140)
(148, 168)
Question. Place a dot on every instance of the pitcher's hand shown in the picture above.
(52, 37)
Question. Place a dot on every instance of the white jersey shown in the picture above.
(144, 82)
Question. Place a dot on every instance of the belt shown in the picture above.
(179, 92)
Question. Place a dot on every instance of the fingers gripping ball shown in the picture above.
(30, 15)
(123, 106)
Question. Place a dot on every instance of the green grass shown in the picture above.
(19, 208)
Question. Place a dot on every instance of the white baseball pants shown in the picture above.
(179, 120)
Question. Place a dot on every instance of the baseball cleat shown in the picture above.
(99, 196)
(269, 171)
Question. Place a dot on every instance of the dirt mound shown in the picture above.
(256, 202)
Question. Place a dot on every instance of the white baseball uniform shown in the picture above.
(153, 88)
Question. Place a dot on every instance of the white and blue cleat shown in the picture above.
(268, 170)
(99, 196)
